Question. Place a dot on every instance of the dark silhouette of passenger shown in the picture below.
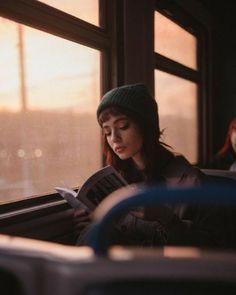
(225, 158)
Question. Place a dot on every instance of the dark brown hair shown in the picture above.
(153, 151)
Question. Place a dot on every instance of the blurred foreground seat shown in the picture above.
(33, 267)
(68, 271)
(162, 271)
(166, 271)
(24, 262)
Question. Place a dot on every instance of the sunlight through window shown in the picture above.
(177, 101)
(174, 42)
(50, 89)
(87, 10)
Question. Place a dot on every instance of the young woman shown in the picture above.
(129, 119)
(128, 116)
(225, 159)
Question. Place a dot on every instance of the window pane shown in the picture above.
(174, 42)
(177, 101)
(87, 10)
(49, 92)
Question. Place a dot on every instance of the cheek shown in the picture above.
(108, 140)
(233, 140)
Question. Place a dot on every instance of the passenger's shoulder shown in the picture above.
(179, 172)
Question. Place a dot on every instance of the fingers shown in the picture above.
(80, 212)
(81, 218)
(137, 214)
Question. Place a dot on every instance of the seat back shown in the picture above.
(19, 269)
(221, 176)
(130, 271)
(24, 264)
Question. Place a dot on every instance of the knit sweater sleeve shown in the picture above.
(139, 232)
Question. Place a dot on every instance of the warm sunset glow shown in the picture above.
(177, 97)
(9, 77)
(87, 10)
(50, 89)
(177, 101)
(62, 75)
(174, 42)
(58, 74)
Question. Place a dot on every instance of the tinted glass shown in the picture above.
(177, 101)
(174, 42)
(87, 10)
(50, 89)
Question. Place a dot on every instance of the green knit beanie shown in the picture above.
(135, 98)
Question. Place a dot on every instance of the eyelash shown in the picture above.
(126, 126)
(107, 133)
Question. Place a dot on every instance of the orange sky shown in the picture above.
(58, 73)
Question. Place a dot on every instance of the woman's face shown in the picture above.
(233, 140)
(124, 137)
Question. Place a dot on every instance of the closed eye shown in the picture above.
(107, 131)
(124, 127)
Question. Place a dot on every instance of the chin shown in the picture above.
(123, 157)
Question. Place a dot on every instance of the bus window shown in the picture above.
(50, 88)
(87, 10)
(177, 83)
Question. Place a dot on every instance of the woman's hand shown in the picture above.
(81, 218)
(163, 214)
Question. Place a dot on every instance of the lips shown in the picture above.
(119, 149)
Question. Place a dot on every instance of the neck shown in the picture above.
(139, 162)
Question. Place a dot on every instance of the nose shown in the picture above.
(115, 136)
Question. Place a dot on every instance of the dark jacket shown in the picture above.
(224, 161)
(187, 225)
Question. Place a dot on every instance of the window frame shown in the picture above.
(179, 15)
(117, 41)
(46, 18)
